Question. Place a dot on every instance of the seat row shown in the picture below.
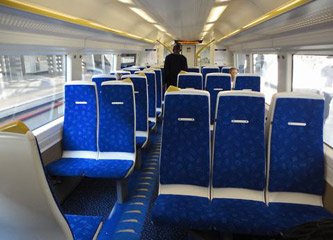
(240, 187)
(216, 82)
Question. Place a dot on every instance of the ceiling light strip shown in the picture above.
(272, 14)
(67, 18)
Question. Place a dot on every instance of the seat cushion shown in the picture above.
(243, 217)
(93, 168)
(184, 211)
(72, 167)
(83, 227)
(116, 169)
(140, 141)
(292, 215)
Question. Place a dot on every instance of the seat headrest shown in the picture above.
(15, 127)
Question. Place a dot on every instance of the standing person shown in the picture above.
(233, 72)
(173, 64)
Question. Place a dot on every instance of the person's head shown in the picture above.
(177, 48)
(233, 72)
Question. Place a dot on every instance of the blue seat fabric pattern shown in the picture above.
(83, 227)
(177, 149)
(190, 81)
(184, 211)
(140, 141)
(197, 70)
(100, 80)
(239, 156)
(248, 82)
(158, 75)
(116, 132)
(207, 70)
(80, 121)
(223, 82)
(151, 79)
(297, 160)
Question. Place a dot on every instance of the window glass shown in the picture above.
(314, 73)
(31, 88)
(266, 65)
(241, 63)
(93, 64)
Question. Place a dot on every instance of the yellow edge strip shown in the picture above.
(290, 5)
(15, 127)
(165, 46)
(67, 18)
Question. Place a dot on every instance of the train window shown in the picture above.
(31, 88)
(266, 65)
(97, 64)
(314, 73)
(241, 63)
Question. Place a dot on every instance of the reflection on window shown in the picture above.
(241, 63)
(31, 89)
(93, 64)
(266, 66)
(314, 74)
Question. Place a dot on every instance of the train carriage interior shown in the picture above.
(95, 145)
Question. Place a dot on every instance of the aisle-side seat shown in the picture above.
(151, 80)
(296, 159)
(225, 69)
(245, 81)
(100, 78)
(159, 91)
(238, 181)
(183, 197)
(28, 208)
(190, 80)
(141, 109)
(214, 83)
(208, 69)
(116, 141)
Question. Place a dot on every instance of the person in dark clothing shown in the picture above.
(173, 64)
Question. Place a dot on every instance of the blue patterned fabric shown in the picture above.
(225, 70)
(213, 82)
(116, 132)
(83, 227)
(239, 150)
(185, 154)
(297, 160)
(68, 167)
(80, 121)
(248, 82)
(151, 79)
(99, 80)
(184, 211)
(197, 70)
(243, 217)
(190, 81)
(141, 102)
(140, 141)
(207, 70)
(292, 215)
(116, 169)
(158, 74)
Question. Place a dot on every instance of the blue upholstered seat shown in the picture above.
(151, 80)
(225, 69)
(141, 109)
(159, 91)
(296, 158)
(132, 70)
(185, 160)
(238, 161)
(31, 212)
(100, 78)
(214, 83)
(193, 69)
(79, 140)
(206, 70)
(190, 80)
(116, 131)
(247, 82)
